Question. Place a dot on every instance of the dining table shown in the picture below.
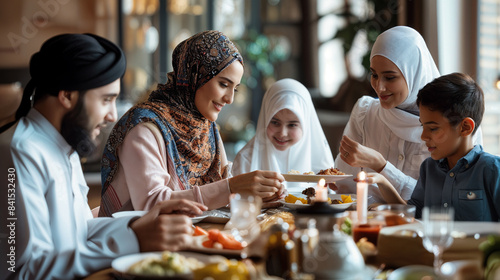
(397, 247)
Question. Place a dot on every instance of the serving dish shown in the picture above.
(122, 264)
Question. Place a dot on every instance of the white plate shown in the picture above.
(314, 178)
(472, 268)
(128, 214)
(339, 197)
(341, 206)
(412, 272)
(120, 214)
(294, 205)
(197, 246)
(198, 219)
(122, 264)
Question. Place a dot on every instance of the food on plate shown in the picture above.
(343, 199)
(221, 240)
(199, 231)
(310, 193)
(346, 226)
(328, 171)
(366, 247)
(276, 218)
(395, 220)
(226, 270)
(298, 172)
(168, 264)
(331, 171)
(290, 198)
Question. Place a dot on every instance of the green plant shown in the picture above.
(381, 15)
(261, 52)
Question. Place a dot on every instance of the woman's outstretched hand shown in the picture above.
(357, 155)
(266, 184)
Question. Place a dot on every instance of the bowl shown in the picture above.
(413, 272)
(396, 214)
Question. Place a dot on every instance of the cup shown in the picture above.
(244, 211)
(396, 214)
(436, 236)
(368, 230)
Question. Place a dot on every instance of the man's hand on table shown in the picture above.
(167, 225)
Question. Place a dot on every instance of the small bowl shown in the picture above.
(396, 214)
(412, 272)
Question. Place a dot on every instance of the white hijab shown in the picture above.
(311, 153)
(406, 48)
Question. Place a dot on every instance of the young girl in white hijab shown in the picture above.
(289, 135)
(383, 135)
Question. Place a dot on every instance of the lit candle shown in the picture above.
(321, 191)
(362, 197)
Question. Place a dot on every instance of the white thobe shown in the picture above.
(63, 240)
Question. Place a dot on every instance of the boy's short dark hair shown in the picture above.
(457, 96)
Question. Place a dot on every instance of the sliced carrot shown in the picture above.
(213, 234)
(208, 243)
(199, 231)
(228, 242)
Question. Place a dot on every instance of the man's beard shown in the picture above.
(75, 129)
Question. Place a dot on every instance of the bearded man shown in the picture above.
(75, 79)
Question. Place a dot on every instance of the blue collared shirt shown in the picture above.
(472, 187)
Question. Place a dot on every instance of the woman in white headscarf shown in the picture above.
(289, 135)
(383, 135)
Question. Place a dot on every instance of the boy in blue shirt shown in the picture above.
(458, 174)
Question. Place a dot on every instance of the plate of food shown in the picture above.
(337, 201)
(214, 241)
(162, 265)
(342, 201)
(198, 219)
(294, 205)
(330, 175)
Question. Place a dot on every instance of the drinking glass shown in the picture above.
(243, 222)
(438, 225)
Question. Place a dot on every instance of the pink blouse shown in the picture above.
(143, 178)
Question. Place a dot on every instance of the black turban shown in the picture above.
(73, 62)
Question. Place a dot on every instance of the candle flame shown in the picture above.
(321, 182)
(361, 176)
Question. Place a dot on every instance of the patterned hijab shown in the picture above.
(192, 141)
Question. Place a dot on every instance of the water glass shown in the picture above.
(436, 235)
(244, 211)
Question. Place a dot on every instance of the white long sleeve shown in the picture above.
(403, 157)
(60, 239)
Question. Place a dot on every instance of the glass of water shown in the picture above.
(243, 222)
(436, 235)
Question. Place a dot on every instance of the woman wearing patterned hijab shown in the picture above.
(169, 146)
(383, 135)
